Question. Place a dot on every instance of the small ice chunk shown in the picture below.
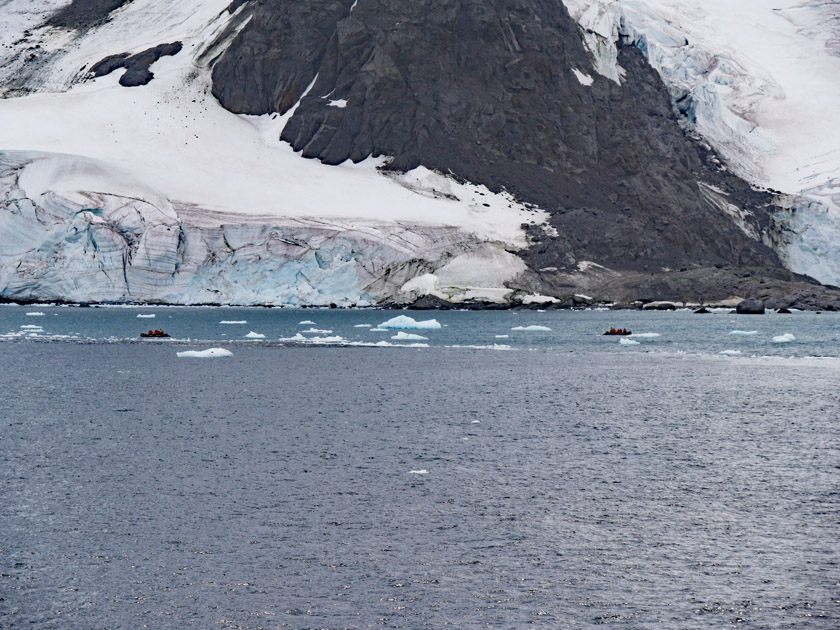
(379, 330)
(502, 336)
(624, 341)
(333, 339)
(230, 321)
(404, 336)
(532, 328)
(306, 322)
(730, 352)
(786, 338)
(35, 314)
(362, 326)
(254, 335)
(144, 316)
(422, 471)
(646, 335)
(408, 323)
(475, 422)
(316, 331)
(744, 332)
(210, 353)
(32, 327)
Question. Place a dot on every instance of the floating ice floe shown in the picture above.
(404, 336)
(254, 335)
(306, 322)
(210, 353)
(332, 339)
(142, 316)
(32, 327)
(502, 336)
(730, 352)
(532, 328)
(362, 326)
(744, 332)
(316, 331)
(476, 422)
(35, 314)
(409, 323)
(231, 322)
(786, 338)
(624, 341)
(646, 335)
(422, 471)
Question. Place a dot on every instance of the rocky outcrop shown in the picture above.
(137, 67)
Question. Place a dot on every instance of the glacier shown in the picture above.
(157, 194)
(760, 84)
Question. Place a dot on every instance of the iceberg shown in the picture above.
(744, 332)
(231, 322)
(624, 341)
(316, 331)
(532, 328)
(646, 335)
(142, 316)
(35, 314)
(210, 353)
(422, 471)
(407, 323)
(404, 336)
(32, 327)
(306, 322)
(786, 338)
(254, 335)
(362, 326)
(730, 352)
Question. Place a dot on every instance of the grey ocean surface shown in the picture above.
(567, 482)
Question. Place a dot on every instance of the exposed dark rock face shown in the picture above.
(485, 90)
(276, 55)
(136, 66)
(84, 14)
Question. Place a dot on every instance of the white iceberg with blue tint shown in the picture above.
(210, 353)
(254, 335)
(532, 328)
(403, 322)
(786, 338)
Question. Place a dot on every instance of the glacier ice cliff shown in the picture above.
(127, 243)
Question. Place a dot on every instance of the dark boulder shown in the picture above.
(783, 311)
(750, 307)
(702, 311)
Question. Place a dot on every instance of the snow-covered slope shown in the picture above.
(192, 166)
(761, 82)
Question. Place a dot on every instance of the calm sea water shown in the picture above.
(568, 482)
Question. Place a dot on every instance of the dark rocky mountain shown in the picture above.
(503, 93)
(486, 91)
